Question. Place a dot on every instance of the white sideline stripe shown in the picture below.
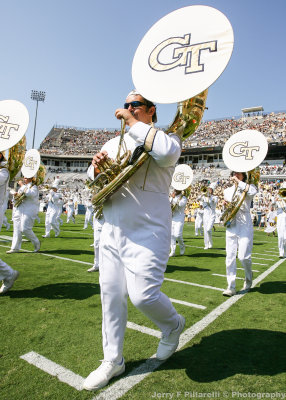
(186, 303)
(81, 233)
(10, 238)
(253, 270)
(123, 385)
(258, 264)
(224, 276)
(52, 255)
(144, 329)
(63, 374)
(194, 284)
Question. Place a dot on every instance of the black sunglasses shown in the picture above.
(134, 104)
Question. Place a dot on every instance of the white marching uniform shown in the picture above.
(199, 214)
(239, 236)
(70, 211)
(52, 214)
(88, 219)
(135, 241)
(6, 272)
(24, 216)
(281, 226)
(178, 218)
(209, 205)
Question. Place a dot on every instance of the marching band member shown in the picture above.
(88, 211)
(52, 220)
(70, 211)
(178, 204)
(199, 215)
(24, 216)
(7, 274)
(281, 221)
(135, 240)
(209, 205)
(239, 235)
(270, 221)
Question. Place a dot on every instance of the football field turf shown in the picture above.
(50, 332)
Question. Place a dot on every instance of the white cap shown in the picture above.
(213, 185)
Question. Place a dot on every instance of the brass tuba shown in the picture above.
(282, 192)
(168, 68)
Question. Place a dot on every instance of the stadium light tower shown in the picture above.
(37, 96)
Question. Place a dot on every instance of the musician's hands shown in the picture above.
(235, 179)
(99, 158)
(126, 115)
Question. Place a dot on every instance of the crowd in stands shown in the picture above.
(211, 133)
(216, 133)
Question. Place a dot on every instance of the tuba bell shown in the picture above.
(158, 78)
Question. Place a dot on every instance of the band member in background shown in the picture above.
(24, 216)
(52, 219)
(135, 240)
(209, 205)
(88, 211)
(239, 235)
(70, 207)
(199, 215)
(271, 216)
(178, 204)
(281, 221)
(7, 274)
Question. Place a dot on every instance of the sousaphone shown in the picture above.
(176, 61)
(244, 151)
(14, 121)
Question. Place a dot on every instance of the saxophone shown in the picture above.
(114, 173)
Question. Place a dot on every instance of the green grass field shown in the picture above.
(54, 310)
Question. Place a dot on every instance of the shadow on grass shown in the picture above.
(207, 254)
(271, 287)
(172, 268)
(232, 352)
(58, 291)
(67, 252)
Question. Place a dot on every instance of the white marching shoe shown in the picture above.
(168, 344)
(102, 375)
(93, 269)
(229, 292)
(8, 283)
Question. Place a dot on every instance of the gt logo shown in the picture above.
(180, 177)
(185, 56)
(243, 150)
(29, 162)
(5, 127)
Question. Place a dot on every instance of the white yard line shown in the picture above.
(258, 263)
(253, 270)
(186, 303)
(51, 255)
(63, 374)
(123, 385)
(194, 284)
(144, 329)
(224, 276)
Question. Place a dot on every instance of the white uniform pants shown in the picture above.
(198, 226)
(244, 246)
(116, 283)
(88, 218)
(6, 272)
(97, 225)
(281, 233)
(177, 235)
(208, 220)
(52, 222)
(23, 225)
(70, 216)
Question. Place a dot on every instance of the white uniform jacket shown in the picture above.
(30, 204)
(139, 213)
(179, 211)
(4, 179)
(242, 222)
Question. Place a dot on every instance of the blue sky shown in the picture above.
(81, 52)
